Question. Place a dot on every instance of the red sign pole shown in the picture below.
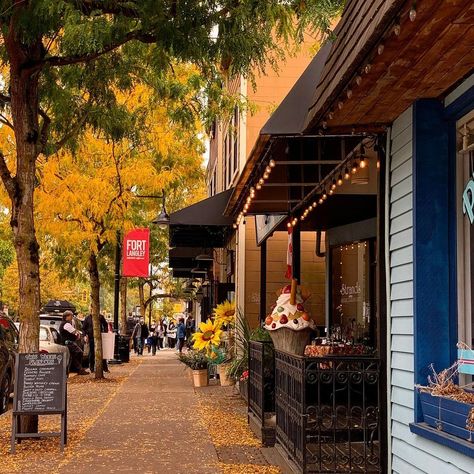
(136, 253)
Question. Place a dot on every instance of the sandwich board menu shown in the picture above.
(40, 389)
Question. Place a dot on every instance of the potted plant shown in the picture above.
(447, 406)
(198, 363)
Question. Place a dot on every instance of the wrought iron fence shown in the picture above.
(328, 412)
(261, 379)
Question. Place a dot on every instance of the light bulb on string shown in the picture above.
(340, 105)
(378, 164)
(324, 196)
(261, 181)
(339, 180)
(258, 186)
(358, 79)
(266, 175)
(346, 174)
(288, 224)
(333, 184)
(234, 225)
(354, 168)
(272, 163)
(331, 192)
(314, 204)
(349, 93)
(268, 170)
(380, 48)
(396, 29)
(362, 162)
(367, 68)
(412, 13)
(321, 200)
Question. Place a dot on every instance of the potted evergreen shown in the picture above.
(197, 362)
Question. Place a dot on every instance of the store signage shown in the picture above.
(468, 200)
(266, 224)
(136, 253)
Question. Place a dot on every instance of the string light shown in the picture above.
(324, 196)
(358, 79)
(412, 13)
(396, 29)
(340, 104)
(272, 163)
(321, 200)
(367, 68)
(349, 93)
(288, 224)
(333, 184)
(330, 115)
(380, 48)
(266, 175)
(314, 204)
(258, 186)
(378, 164)
(339, 180)
(268, 170)
(362, 162)
(354, 168)
(346, 174)
(261, 181)
(234, 225)
(331, 192)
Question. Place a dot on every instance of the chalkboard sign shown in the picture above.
(41, 383)
(40, 389)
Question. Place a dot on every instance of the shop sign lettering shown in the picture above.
(347, 290)
(468, 200)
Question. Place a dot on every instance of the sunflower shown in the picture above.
(209, 334)
(224, 313)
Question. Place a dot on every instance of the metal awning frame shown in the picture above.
(296, 205)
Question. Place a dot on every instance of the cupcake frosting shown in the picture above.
(291, 316)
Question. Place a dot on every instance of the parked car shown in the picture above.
(8, 349)
(49, 341)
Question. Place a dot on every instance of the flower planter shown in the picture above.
(200, 378)
(447, 415)
(244, 389)
(223, 377)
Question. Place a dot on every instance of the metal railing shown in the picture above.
(327, 412)
(261, 379)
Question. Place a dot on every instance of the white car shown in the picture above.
(48, 341)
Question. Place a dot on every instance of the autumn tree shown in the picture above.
(85, 196)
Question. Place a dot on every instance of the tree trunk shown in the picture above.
(20, 188)
(95, 310)
(141, 296)
(123, 306)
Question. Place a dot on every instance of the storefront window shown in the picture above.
(465, 257)
(352, 307)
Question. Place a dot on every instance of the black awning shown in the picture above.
(290, 116)
(203, 224)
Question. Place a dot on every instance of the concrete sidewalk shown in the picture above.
(149, 426)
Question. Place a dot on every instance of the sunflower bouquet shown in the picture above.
(210, 336)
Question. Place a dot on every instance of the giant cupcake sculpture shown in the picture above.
(289, 325)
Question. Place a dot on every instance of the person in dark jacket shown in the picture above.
(181, 334)
(69, 336)
(140, 334)
(88, 331)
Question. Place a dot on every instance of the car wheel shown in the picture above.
(4, 393)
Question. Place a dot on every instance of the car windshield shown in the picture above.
(43, 334)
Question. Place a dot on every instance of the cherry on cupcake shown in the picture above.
(283, 319)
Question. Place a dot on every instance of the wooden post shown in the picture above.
(263, 280)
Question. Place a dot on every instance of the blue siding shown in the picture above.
(410, 453)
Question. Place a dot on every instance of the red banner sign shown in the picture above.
(136, 253)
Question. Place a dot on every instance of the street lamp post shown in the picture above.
(162, 220)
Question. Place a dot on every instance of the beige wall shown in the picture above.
(272, 88)
(313, 272)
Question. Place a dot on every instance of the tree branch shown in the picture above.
(44, 130)
(9, 181)
(109, 7)
(87, 57)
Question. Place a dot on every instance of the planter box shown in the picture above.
(200, 378)
(244, 389)
(446, 415)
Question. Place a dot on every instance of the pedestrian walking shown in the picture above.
(171, 332)
(181, 334)
(190, 330)
(70, 336)
(160, 333)
(88, 332)
(139, 335)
